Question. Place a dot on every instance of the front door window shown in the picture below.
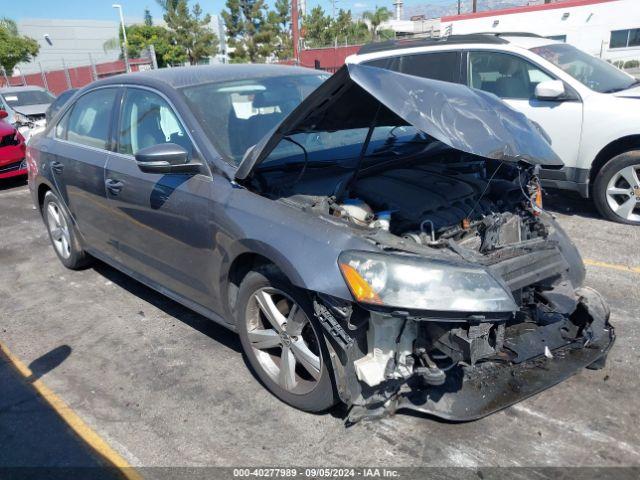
(504, 75)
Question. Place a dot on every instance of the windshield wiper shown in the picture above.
(615, 90)
(295, 165)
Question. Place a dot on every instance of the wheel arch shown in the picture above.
(249, 259)
(621, 145)
(43, 188)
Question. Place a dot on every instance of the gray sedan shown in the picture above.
(374, 238)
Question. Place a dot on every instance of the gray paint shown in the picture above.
(178, 233)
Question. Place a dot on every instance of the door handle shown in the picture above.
(57, 167)
(114, 186)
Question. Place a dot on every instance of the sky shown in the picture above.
(134, 9)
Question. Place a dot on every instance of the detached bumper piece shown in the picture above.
(474, 392)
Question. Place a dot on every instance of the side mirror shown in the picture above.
(3, 114)
(549, 90)
(166, 158)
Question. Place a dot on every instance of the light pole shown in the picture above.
(124, 36)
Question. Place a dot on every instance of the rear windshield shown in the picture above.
(27, 98)
(238, 114)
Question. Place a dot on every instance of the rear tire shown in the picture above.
(62, 234)
(616, 191)
(283, 341)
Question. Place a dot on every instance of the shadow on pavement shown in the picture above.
(13, 182)
(187, 316)
(569, 203)
(35, 441)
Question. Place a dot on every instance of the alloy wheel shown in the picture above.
(284, 341)
(623, 193)
(59, 230)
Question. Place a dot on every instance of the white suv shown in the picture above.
(590, 109)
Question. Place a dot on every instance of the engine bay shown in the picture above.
(478, 203)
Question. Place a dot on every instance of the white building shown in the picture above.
(609, 29)
(72, 42)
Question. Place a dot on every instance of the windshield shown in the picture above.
(344, 147)
(27, 97)
(591, 71)
(236, 115)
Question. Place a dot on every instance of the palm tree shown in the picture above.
(375, 18)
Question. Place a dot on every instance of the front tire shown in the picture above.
(61, 233)
(616, 191)
(283, 341)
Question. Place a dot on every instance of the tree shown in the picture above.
(190, 31)
(15, 48)
(278, 27)
(148, 19)
(317, 28)
(252, 35)
(320, 30)
(375, 18)
(141, 37)
(168, 5)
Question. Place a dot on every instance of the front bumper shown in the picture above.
(13, 169)
(489, 387)
(532, 357)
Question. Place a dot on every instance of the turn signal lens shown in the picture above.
(361, 290)
(538, 199)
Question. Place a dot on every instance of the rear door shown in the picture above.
(161, 223)
(513, 79)
(77, 156)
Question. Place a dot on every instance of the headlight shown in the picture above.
(416, 283)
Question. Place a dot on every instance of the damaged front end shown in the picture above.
(458, 369)
(466, 297)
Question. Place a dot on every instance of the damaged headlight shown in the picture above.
(416, 283)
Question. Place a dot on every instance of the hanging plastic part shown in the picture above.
(535, 191)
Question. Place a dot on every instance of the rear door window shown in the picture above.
(443, 66)
(90, 119)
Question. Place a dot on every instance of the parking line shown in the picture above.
(90, 437)
(611, 266)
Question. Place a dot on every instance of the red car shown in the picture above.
(12, 150)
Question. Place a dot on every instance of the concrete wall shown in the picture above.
(588, 25)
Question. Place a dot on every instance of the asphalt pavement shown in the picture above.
(164, 386)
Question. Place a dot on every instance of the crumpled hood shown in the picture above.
(32, 109)
(466, 119)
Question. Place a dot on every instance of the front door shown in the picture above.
(162, 225)
(514, 79)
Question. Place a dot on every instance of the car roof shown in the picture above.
(521, 39)
(186, 76)
(23, 88)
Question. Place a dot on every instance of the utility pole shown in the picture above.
(124, 36)
(295, 31)
(475, 6)
(459, 1)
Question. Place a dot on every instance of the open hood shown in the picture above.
(469, 120)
